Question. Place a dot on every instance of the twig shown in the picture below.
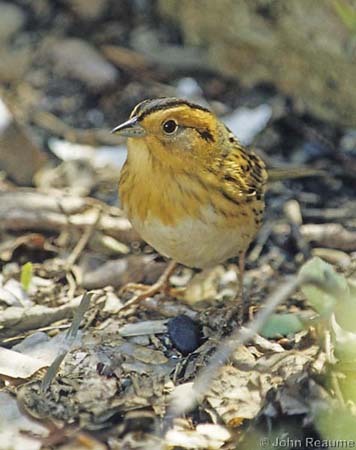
(30, 210)
(34, 200)
(332, 235)
(262, 238)
(15, 320)
(83, 241)
(294, 215)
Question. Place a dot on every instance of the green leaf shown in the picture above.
(282, 325)
(327, 289)
(26, 275)
(347, 14)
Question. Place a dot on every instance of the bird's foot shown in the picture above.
(146, 291)
(237, 310)
(135, 287)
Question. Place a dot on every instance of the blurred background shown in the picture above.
(70, 70)
(281, 74)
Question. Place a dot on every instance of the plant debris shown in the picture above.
(177, 370)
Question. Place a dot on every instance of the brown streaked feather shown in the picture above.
(243, 174)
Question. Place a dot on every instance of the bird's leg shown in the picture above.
(237, 311)
(240, 293)
(160, 285)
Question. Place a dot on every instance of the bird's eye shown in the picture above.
(170, 126)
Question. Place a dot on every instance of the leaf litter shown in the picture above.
(114, 376)
(120, 364)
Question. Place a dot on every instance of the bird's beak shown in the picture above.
(130, 128)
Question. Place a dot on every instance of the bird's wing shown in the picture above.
(244, 173)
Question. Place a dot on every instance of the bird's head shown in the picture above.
(176, 132)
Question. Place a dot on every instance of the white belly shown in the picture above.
(196, 243)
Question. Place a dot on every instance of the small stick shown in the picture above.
(83, 241)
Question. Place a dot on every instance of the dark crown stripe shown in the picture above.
(148, 107)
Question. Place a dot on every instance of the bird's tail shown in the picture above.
(281, 174)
